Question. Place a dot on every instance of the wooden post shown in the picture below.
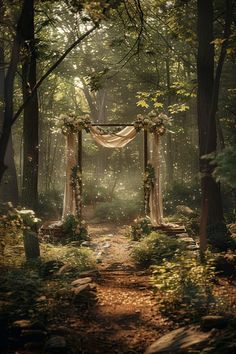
(31, 245)
(79, 163)
(145, 161)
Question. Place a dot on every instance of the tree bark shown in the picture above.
(9, 188)
(31, 114)
(169, 143)
(212, 211)
(9, 89)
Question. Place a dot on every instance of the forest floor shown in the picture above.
(126, 319)
(41, 311)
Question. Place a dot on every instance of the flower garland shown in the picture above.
(149, 182)
(153, 123)
(76, 183)
(71, 124)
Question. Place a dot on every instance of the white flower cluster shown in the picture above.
(153, 123)
(72, 124)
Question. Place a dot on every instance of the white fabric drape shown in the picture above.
(115, 140)
(155, 201)
(69, 194)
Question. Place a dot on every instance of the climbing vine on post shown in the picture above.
(76, 180)
(149, 182)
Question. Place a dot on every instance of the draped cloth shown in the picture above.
(114, 140)
(155, 200)
(69, 194)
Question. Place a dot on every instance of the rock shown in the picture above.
(210, 322)
(56, 345)
(184, 210)
(33, 335)
(85, 294)
(90, 273)
(41, 298)
(22, 324)
(85, 244)
(81, 288)
(32, 346)
(181, 340)
(67, 268)
(50, 267)
(81, 281)
(106, 245)
(225, 264)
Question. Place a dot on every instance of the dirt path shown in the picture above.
(125, 320)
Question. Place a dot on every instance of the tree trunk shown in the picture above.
(9, 117)
(30, 122)
(8, 90)
(169, 143)
(212, 211)
(8, 187)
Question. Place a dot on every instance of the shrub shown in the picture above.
(142, 227)
(81, 257)
(74, 229)
(180, 193)
(93, 193)
(156, 248)
(50, 203)
(185, 285)
(117, 210)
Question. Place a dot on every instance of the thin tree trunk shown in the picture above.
(8, 188)
(31, 115)
(9, 117)
(9, 89)
(169, 147)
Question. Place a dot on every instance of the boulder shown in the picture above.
(210, 322)
(181, 340)
(184, 210)
(56, 345)
(67, 269)
(33, 335)
(85, 294)
(81, 281)
(225, 264)
(50, 267)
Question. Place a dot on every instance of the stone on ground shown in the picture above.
(81, 281)
(210, 322)
(181, 340)
(56, 345)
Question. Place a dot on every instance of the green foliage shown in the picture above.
(81, 257)
(93, 193)
(10, 220)
(74, 229)
(50, 203)
(219, 237)
(118, 210)
(156, 248)
(185, 286)
(29, 219)
(181, 193)
(141, 228)
(225, 170)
